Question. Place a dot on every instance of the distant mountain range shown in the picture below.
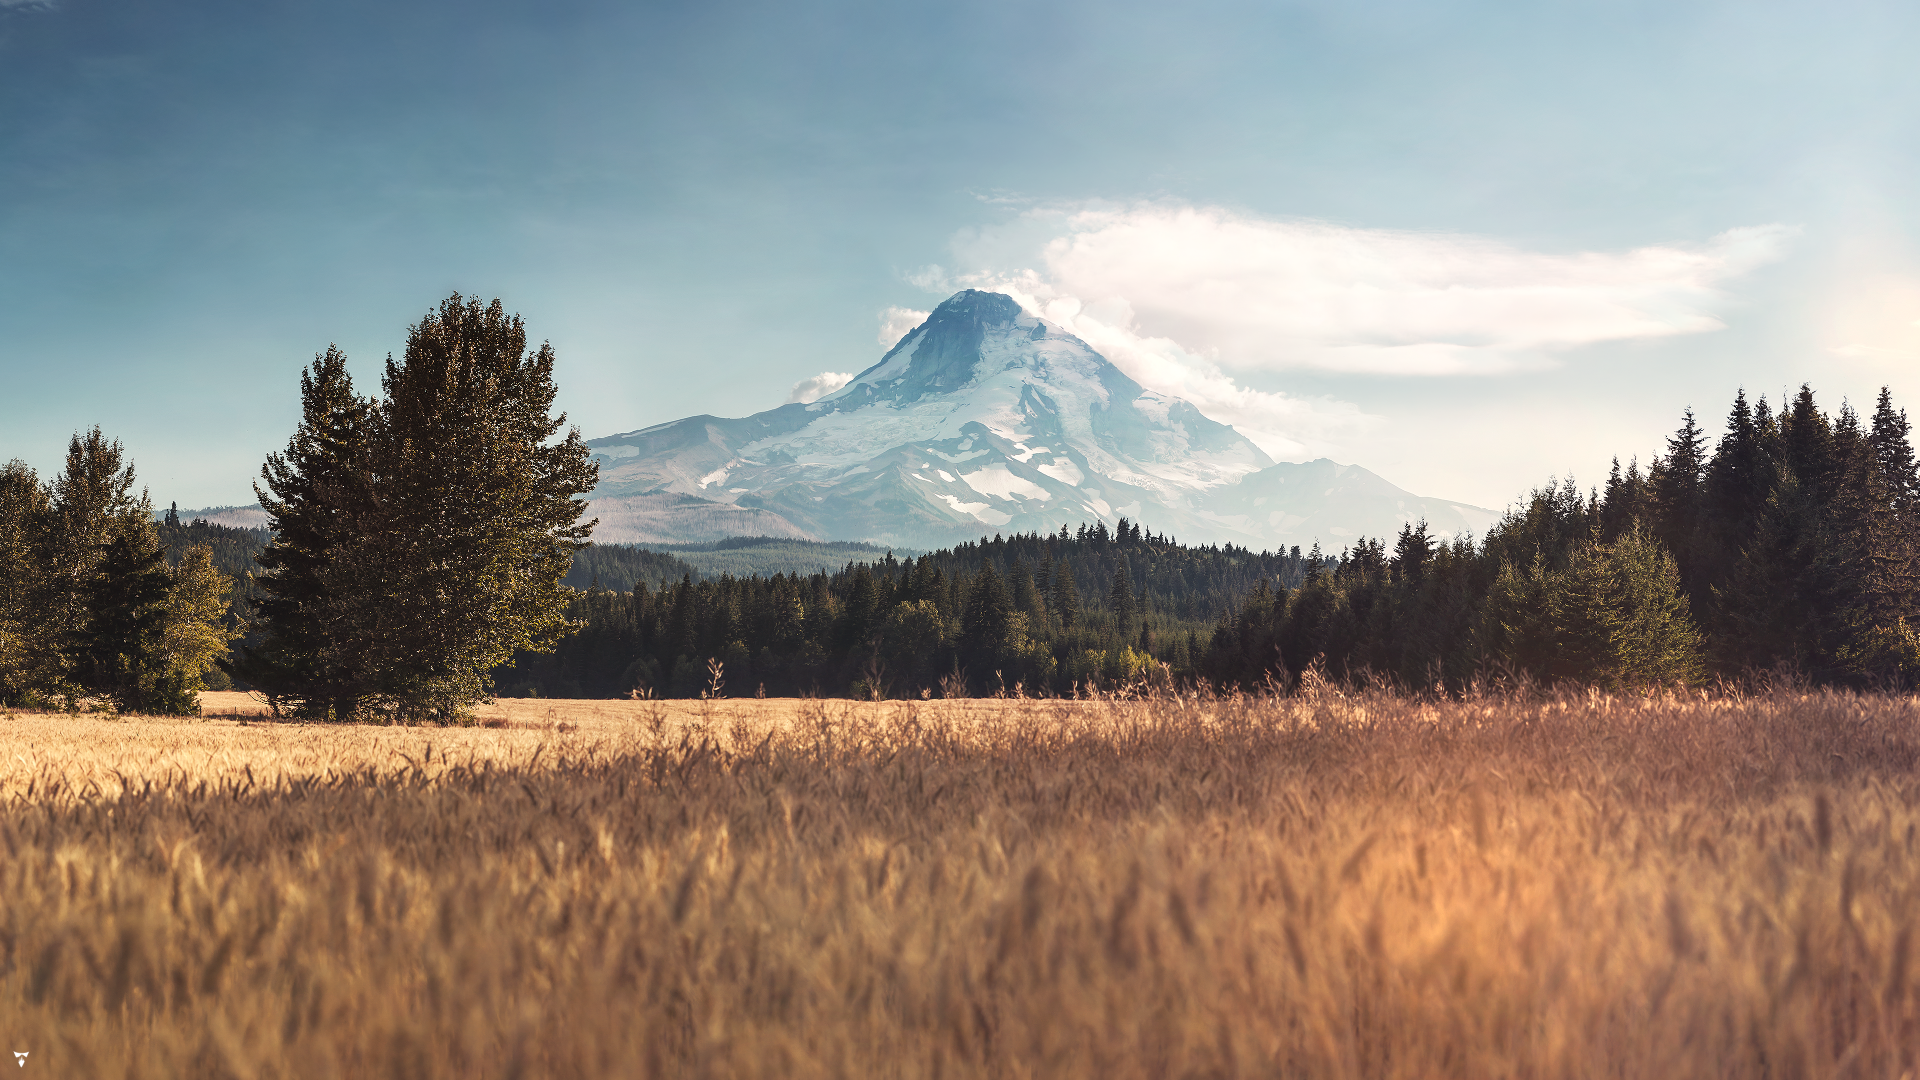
(986, 418)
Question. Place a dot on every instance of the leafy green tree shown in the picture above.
(910, 639)
(481, 509)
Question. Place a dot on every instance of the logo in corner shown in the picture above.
(20, 1058)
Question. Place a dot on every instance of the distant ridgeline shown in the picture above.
(620, 567)
(1791, 547)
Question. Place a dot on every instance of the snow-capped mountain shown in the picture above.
(984, 418)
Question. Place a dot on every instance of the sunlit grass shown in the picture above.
(1329, 886)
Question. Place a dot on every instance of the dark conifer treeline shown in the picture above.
(1043, 612)
(232, 550)
(1790, 542)
(619, 567)
(98, 603)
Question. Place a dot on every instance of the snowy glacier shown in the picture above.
(986, 417)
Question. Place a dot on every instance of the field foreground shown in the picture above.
(1321, 886)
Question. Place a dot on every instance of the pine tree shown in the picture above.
(119, 651)
(28, 658)
(861, 616)
(1893, 455)
(1410, 554)
(1026, 597)
(1779, 607)
(435, 524)
(1676, 497)
(1896, 548)
(1806, 444)
(1739, 477)
(1516, 627)
(1066, 599)
(92, 505)
(1625, 501)
(195, 636)
(1120, 601)
(1624, 610)
(316, 631)
(988, 608)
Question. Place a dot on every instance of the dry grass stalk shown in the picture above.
(1363, 886)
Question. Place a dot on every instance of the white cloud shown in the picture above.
(818, 386)
(1261, 294)
(898, 322)
(1182, 297)
(1287, 427)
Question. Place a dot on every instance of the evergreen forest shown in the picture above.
(98, 602)
(1785, 545)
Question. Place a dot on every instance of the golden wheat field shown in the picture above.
(1323, 885)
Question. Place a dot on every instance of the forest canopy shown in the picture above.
(1789, 543)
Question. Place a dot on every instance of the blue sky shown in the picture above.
(1465, 245)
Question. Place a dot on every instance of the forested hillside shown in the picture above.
(233, 549)
(745, 556)
(621, 566)
(1042, 611)
(1790, 544)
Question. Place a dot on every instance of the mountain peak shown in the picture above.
(941, 354)
(987, 307)
(983, 415)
